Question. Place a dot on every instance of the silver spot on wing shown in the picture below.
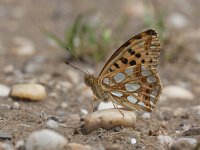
(119, 77)
(129, 71)
(132, 99)
(106, 81)
(130, 87)
(141, 104)
(151, 79)
(146, 73)
(117, 93)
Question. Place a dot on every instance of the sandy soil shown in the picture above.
(25, 19)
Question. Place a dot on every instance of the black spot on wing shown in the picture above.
(124, 60)
(151, 32)
(111, 70)
(132, 63)
(143, 61)
(138, 55)
(131, 51)
(116, 65)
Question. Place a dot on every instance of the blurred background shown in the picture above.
(34, 36)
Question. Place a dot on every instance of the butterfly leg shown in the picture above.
(92, 106)
(115, 106)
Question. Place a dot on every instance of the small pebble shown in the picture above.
(76, 146)
(177, 92)
(4, 90)
(108, 146)
(52, 124)
(165, 141)
(189, 140)
(181, 112)
(23, 46)
(9, 69)
(146, 115)
(19, 145)
(5, 107)
(184, 144)
(84, 111)
(64, 105)
(133, 141)
(53, 95)
(63, 85)
(177, 20)
(34, 65)
(5, 146)
(186, 127)
(45, 139)
(32, 91)
(5, 135)
(192, 131)
(15, 105)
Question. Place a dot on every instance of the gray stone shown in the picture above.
(45, 139)
(192, 131)
(4, 90)
(52, 124)
(5, 135)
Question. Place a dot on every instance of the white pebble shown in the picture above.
(5, 146)
(19, 144)
(64, 85)
(177, 92)
(146, 115)
(15, 105)
(5, 106)
(4, 90)
(84, 111)
(64, 105)
(30, 91)
(52, 124)
(179, 112)
(108, 105)
(189, 140)
(76, 146)
(108, 119)
(133, 141)
(8, 69)
(178, 20)
(23, 46)
(45, 139)
(165, 141)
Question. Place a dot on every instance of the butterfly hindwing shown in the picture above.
(135, 87)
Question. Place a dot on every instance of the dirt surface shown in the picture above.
(46, 65)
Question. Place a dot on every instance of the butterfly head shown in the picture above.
(89, 80)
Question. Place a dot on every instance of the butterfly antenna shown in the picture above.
(69, 49)
(76, 68)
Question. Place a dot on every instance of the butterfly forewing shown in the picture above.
(130, 75)
(143, 48)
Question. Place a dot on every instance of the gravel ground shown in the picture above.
(27, 56)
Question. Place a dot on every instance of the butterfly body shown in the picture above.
(130, 77)
(99, 93)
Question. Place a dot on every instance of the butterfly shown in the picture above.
(130, 78)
